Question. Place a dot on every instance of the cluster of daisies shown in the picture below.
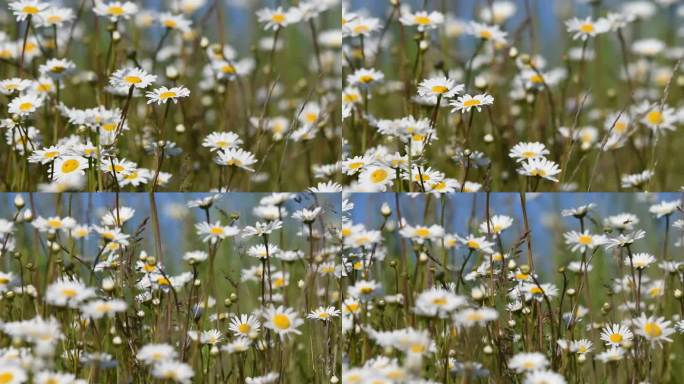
(602, 113)
(426, 305)
(90, 304)
(73, 119)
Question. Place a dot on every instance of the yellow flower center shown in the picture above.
(311, 117)
(53, 19)
(244, 328)
(536, 79)
(587, 28)
(584, 239)
(422, 20)
(279, 282)
(6, 377)
(4, 280)
(538, 172)
(116, 10)
(133, 79)
(109, 127)
(521, 276)
(30, 9)
(417, 348)
(474, 316)
(356, 165)
(70, 165)
(439, 89)
(361, 28)
(378, 176)
(439, 301)
(366, 290)
(536, 290)
(615, 338)
(473, 244)
(25, 107)
(471, 103)
(163, 281)
(324, 315)
(350, 97)
(69, 292)
(57, 69)
(278, 18)
(620, 127)
(170, 23)
(54, 223)
(652, 329)
(352, 307)
(654, 117)
(484, 34)
(346, 232)
(167, 95)
(422, 232)
(216, 231)
(439, 186)
(281, 321)
(366, 79)
(228, 69)
(51, 154)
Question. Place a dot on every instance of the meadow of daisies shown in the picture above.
(173, 288)
(187, 95)
(512, 288)
(506, 95)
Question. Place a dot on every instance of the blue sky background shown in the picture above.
(176, 220)
(543, 212)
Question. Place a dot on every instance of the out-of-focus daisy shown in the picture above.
(438, 302)
(439, 86)
(422, 19)
(324, 313)
(528, 361)
(487, 32)
(174, 371)
(115, 10)
(221, 140)
(640, 260)
(584, 29)
(131, 77)
(540, 167)
(163, 94)
(23, 9)
(526, 151)
(497, 224)
(156, 353)
(236, 157)
(100, 308)
(364, 77)
(664, 208)
(278, 18)
(466, 102)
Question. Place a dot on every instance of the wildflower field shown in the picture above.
(173, 288)
(341, 191)
(509, 288)
(188, 95)
(447, 96)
